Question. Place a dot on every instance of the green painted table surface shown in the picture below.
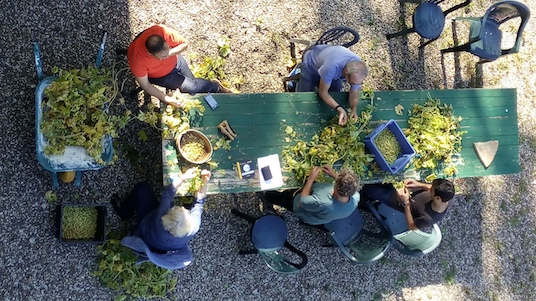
(259, 121)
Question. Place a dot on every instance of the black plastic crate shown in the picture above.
(100, 234)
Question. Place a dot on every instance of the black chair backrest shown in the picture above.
(339, 36)
(504, 11)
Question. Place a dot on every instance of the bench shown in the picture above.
(260, 120)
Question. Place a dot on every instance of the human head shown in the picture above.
(346, 183)
(355, 72)
(444, 189)
(157, 46)
(177, 221)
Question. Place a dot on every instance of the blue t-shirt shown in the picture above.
(328, 62)
(320, 207)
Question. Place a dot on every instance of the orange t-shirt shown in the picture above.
(142, 63)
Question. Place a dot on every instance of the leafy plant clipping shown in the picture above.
(77, 111)
(433, 133)
(334, 143)
(118, 270)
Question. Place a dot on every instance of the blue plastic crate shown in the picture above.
(407, 150)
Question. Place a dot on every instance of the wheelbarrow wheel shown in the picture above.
(67, 177)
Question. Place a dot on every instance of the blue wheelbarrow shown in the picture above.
(75, 158)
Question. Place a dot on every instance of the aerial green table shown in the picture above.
(259, 120)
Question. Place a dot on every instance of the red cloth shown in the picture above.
(142, 63)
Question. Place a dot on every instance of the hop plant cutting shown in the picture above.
(79, 222)
(77, 111)
(433, 132)
(332, 144)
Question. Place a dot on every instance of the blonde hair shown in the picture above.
(356, 67)
(177, 221)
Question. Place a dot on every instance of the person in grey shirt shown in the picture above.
(327, 67)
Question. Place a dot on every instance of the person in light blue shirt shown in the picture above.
(327, 67)
(321, 203)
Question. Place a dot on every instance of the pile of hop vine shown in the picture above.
(433, 133)
(79, 222)
(173, 120)
(76, 111)
(388, 146)
(332, 144)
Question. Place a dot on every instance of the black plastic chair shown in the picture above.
(343, 36)
(360, 245)
(485, 37)
(269, 236)
(428, 19)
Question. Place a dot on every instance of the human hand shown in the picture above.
(343, 116)
(205, 175)
(353, 113)
(189, 174)
(403, 195)
(174, 102)
(314, 172)
(413, 185)
(329, 171)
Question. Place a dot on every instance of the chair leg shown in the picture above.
(428, 42)
(448, 11)
(400, 33)
(249, 218)
(464, 47)
(299, 253)
(411, 1)
(248, 252)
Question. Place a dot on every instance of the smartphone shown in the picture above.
(212, 103)
(266, 173)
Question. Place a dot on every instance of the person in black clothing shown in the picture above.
(423, 204)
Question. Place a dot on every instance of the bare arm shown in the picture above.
(323, 92)
(353, 98)
(309, 184)
(178, 49)
(403, 197)
(149, 88)
(416, 185)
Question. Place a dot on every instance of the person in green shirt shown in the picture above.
(321, 203)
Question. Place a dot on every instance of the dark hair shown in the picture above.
(346, 183)
(443, 189)
(155, 44)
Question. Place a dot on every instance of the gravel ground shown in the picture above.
(487, 249)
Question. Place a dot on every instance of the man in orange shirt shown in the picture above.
(155, 57)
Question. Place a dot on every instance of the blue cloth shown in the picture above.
(269, 233)
(172, 261)
(325, 62)
(182, 77)
(320, 207)
(151, 229)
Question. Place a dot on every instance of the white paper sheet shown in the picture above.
(275, 168)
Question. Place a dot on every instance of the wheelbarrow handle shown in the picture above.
(100, 53)
(37, 55)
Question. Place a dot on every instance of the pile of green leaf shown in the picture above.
(79, 222)
(332, 144)
(75, 111)
(118, 270)
(433, 133)
(213, 67)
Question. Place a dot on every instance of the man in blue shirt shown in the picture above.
(326, 67)
(321, 203)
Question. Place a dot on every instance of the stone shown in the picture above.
(486, 151)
